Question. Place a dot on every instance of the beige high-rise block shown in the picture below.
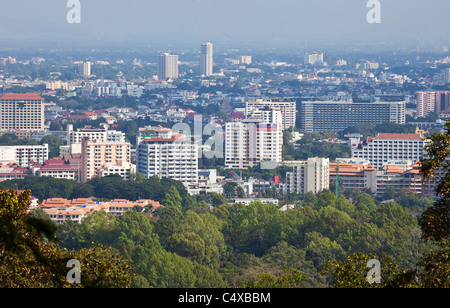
(21, 111)
(96, 155)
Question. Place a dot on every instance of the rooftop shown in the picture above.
(398, 136)
(24, 96)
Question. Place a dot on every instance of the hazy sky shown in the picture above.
(224, 20)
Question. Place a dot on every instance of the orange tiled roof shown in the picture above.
(24, 96)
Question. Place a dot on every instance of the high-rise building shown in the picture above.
(251, 141)
(288, 110)
(442, 78)
(312, 175)
(206, 59)
(92, 133)
(386, 148)
(168, 66)
(313, 58)
(162, 152)
(442, 102)
(87, 69)
(429, 102)
(96, 155)
(330, 115)
(426, 103)
(247, 60)
(101, 134)
(21, 111)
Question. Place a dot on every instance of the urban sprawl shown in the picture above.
(304, 125)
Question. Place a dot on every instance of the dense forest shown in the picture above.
(231, 245)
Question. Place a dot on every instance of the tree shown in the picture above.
(436, 168)
(389, 193)
(173, 198)
(433, 268)
(137, 177)
(435, 221)
(55, 126)
(30, 259)
(290, 279)
(229, 190)
(353, 272)
(54, 142)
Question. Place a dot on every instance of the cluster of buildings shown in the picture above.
(61, 210)
(252, 137)
(376, 163)
(256, 134)
(333, 98)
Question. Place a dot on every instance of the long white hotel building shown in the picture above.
(386, 148)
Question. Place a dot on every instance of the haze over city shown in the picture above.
(187, 22)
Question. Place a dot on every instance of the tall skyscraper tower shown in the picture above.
(168, 66)
(87, 69)
(206, 59)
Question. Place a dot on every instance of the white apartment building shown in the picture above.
(168, 66)
(87, 69)
(312, 175)
(390, 148)
(288, 110)
(21, 111)
(206, 59)
(101, 134)
(94, 134)
(125, 170)
(167, 154)
(58, 85)
(22, 155)
(339, 115)
(313, 58)
(267, 115)
(245, 60)
(98, 154)
(115, 136)
(251, 142)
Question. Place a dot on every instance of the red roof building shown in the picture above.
(21, 96)
(56, 168)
